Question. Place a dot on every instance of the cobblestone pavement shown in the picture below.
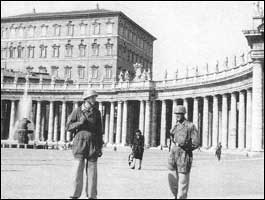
(39, 174)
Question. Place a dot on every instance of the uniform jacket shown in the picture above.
(186, 136)
(85, 124)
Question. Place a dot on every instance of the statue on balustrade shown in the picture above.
(121, 76)
(149, 75)
(165, 75)
(127, 76)
(138, 71)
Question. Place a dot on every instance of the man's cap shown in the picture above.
(180, 109)
(89, 93)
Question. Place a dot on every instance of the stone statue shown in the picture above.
(258, 10)
(196, 71)
(242, 58)
(207, 68)
(144, 75)
(217, 66)
(226, 62)
(138, 71)
(121, 76)
(127, 76)
(176, 74)
(165, 75)
(149, 75)
(235, 61)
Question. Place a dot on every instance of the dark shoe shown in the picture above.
(139, 168)
(133, 167)
(71, 197)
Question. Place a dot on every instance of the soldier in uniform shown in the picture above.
(85, 123)
(185, 139)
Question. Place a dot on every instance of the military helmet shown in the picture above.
(89, 93)
(180, 109)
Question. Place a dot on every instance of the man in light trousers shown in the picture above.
(85, 123)
(185, 139)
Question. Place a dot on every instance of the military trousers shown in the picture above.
(81, 165)
(179, 184)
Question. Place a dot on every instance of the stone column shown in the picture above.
(43, 120)
(12, 120)
(38, 121)
(124, 123)
(154, 126)
(107, 122)
(76, 105)
(119, 120)
(174, 105)
(147, 123)
(232, 126)
(215, 121)
(258, 106)
(111, 126)
(249, 119)
(196, 112)
(186, 105)
(163, 124)
(63, 116)
(56, 121)
(50, 128)
(141, 119)
(205, 125)
(224, 120)
(241, 121)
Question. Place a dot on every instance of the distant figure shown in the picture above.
(138, 149)
(218, 151)
(115, 148)
(130, 159)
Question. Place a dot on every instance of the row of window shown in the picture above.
(54, 30)
(29, 51)
(129, 56)
(81, 71)
(134, 38)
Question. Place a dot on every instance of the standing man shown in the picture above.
(218, 151)
(185, 139)
(85, 123)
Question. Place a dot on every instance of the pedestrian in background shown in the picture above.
(138, 149)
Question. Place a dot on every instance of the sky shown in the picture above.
(189, 34)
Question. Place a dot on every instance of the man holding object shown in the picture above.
(85, 123)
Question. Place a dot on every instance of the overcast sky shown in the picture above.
(188, 33)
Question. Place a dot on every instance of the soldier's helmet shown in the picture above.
(89, 93)
(180, 109)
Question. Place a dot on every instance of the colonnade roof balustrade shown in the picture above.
(238, 77)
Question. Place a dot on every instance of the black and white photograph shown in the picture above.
(132, 100)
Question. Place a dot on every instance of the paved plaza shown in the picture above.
(28, 173)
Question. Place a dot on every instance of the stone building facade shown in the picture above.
(226, 105)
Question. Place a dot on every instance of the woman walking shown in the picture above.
(138, 149)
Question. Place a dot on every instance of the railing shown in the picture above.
(133, 85)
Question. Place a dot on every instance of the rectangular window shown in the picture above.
(109, 28)
(11, 52)
(109, 50)
(21, 32)
(54, 71)
(69, 51)
(31, 52)
(4, 33)
(108, 72)
(68, 72)
(31, 31)
(57, 30)
(96, 28)
(3, 53)
(44, 30)
(43, 51)
(13, 32)
(56, 51)
(19, 51)
(70, 29)
(83, 29)
(94, 72)
(81, 72)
